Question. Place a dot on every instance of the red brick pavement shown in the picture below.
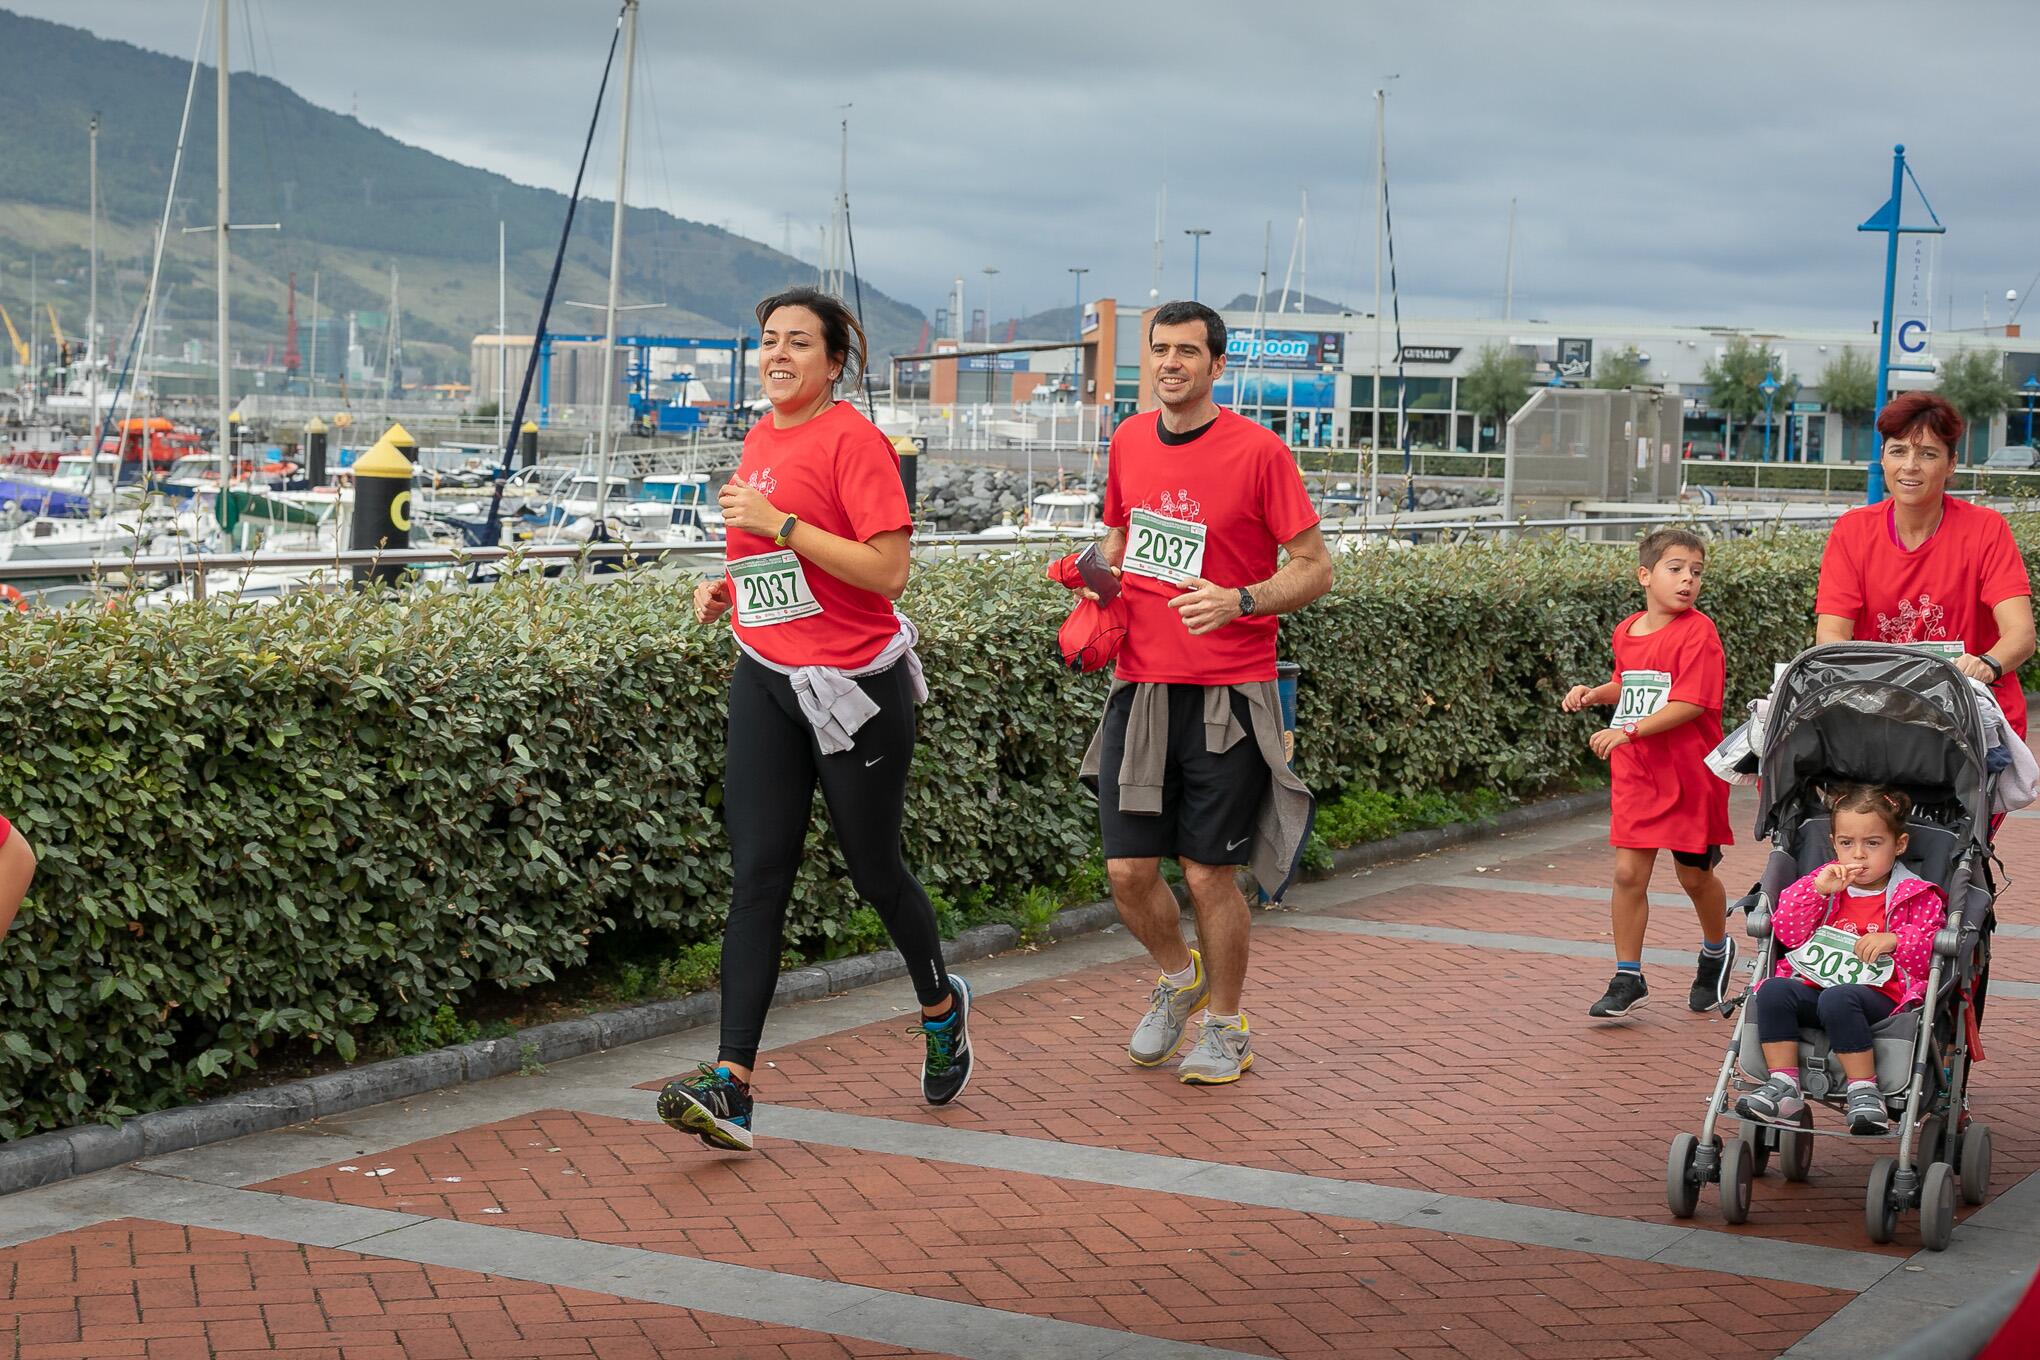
(1445, 1068)
(135, 1288)
(1179, 1267)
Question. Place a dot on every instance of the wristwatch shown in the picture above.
(786, 530)
(1629, 730)
(1246, 602)
(1997, 668)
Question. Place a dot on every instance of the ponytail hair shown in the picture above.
(1890, 806)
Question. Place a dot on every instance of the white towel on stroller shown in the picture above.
(2018, 784)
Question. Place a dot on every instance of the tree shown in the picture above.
(1848, 385)
(1623, 368)
(1495, 388)
(1975, 384)
(1735, 382)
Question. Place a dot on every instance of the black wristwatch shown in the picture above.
(1997, 668)
(1246, 602)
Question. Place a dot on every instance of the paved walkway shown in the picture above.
(1436, 1155)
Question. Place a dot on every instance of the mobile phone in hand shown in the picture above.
(1102, 580)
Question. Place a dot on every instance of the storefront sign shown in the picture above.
(1428, 354)
(1285, 349)
(1576, 359)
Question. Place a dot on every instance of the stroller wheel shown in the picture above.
(1738, 1171)
(1937, 1207)
(1757, 1140)
(1974, 1161)
(1682, 1185)
(1880, 1206)
(1795, 1150)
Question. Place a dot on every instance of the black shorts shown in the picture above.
(1698, 859)
(1209, 801)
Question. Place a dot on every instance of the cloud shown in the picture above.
(1691, 163)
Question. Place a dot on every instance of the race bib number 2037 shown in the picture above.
(771, 589)
(1643, 693)
(1164, 548)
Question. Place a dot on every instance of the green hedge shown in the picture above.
(287, 823)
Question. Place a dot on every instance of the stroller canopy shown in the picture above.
(1876, 714)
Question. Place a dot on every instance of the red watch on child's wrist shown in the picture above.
(1629, 730)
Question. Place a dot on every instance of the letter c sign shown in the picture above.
(1912, 336)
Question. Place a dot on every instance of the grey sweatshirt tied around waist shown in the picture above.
(1283, 821)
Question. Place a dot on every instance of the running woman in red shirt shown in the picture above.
(1197, 501)
(17, 870)
(1667, 691)
(824, 688)
(1927, 567)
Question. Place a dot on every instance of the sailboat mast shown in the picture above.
(1303, 254)
(92, 327)
(1509, 267)
(630, 11)
(1380, 175)
(226, 433)
(502, 328)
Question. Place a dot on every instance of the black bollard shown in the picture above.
(315, 452)
(527, 440)
(910, 466)
(382, 507)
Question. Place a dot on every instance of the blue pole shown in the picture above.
(1874, 482)
(544, 380)
(1767, 427)
(1196, 259)
(2029, 419)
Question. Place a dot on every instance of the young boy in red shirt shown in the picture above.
(1667, 691)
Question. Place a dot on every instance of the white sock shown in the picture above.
(1866, 1081)
(1225, 1021)
(1185, 978)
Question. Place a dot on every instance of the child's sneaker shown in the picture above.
(1777, 1101)
(712, 1105)
(1710, 980)
(1866, 1112)
(1626, 991)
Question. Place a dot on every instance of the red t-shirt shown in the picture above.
(838, 473)
(1942, 591)
(1862, 914)
(1662, 796)
(1216, 508)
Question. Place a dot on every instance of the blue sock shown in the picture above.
(1624, 966)
(1714, 948)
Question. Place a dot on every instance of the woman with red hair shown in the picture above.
(1927, 567)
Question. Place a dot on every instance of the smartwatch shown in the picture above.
(1997, 668)
(786, 531)
(1246, 602)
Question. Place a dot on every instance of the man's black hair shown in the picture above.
(1179, 313)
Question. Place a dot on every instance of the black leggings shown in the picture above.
(772, 762)
(1846, 1011)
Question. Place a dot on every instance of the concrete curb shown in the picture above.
(64, 1153)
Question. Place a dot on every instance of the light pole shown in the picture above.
(1196, 235)
(1077, 354)
(2031, 387)
(990, 270)
(1769, 387)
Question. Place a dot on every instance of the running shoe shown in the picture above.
(1710, 980)
(1777, 1101)
(1866, 1111)
(1626, 991)
(1220, 1055)
(712, 1105)
(946, 1069)
(1160, 1032)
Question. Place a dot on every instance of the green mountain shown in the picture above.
(353, 203)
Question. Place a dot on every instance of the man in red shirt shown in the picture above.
(1197, 502)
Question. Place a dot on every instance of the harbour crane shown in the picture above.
(21, 355)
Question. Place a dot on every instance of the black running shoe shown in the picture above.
(946, 1069)
(1626, 991)
(712, 1105)
(1710, 980)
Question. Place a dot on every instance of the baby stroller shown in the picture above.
(1879, 714)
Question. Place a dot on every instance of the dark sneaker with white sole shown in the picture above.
(1626, 991)
(712, 1105)
(1866, 1111)
(946, 1069)
(1710, 980)
(1777, 1101)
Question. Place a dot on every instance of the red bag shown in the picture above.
(1089, 638)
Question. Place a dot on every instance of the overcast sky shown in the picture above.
(1679, 161)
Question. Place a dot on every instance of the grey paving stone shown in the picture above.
(95, 1147)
